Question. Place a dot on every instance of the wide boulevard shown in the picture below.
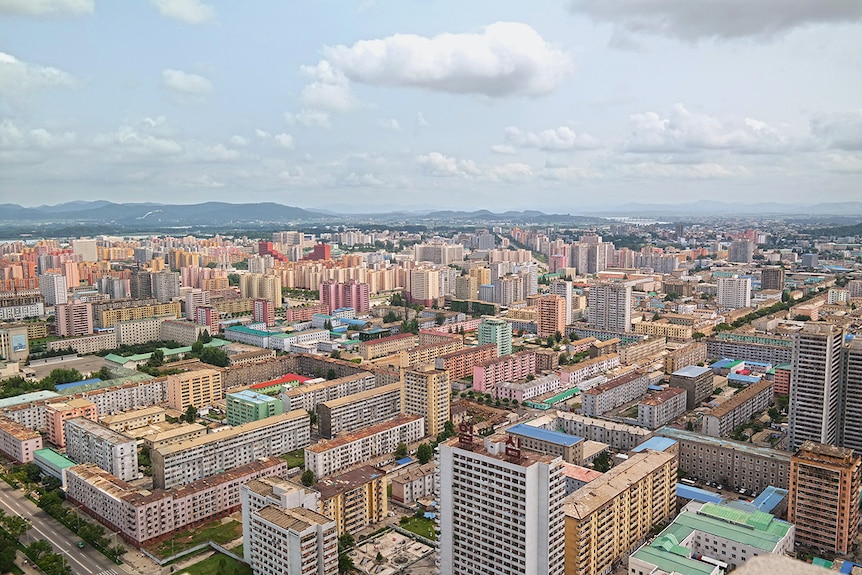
(86, 561)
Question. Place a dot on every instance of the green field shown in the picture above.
(218, 564)
(421, 526)
(214, 531)
(294, 458)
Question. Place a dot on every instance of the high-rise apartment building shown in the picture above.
(208, 316)
(424, 285)
(294, 541)
(741, 251)
(551, 315)
(426, 393)
(824, 496)
(564, 289)
(263, 312)
(501, 508)
(87, 249)
(140, 284)
(91, 442)
(496, 331)
(772, 278)
(335, 295)
(734, 292)
(166, 286)
(611, 306)
(74, 319)
(261, 286)
(816, 386)
(53, 288)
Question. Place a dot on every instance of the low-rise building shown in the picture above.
(54, 464)
(521, 391)
(160, 435)
(734, 464)
(618, 435)
(614, 393)
(134, 419)
(569, 447)
(185, 462)
(310, 395)
(246, 406)
(372, 349)
(334, 455)
(706, 539)
(414, 483)
(18, 442)
(684, 356)
(571, 375)
(89, 442)
(353, 412)
(428, 353)
(661, 407)
(720, 421)
(143, 516)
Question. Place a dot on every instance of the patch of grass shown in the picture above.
(294, 458)
(420, 526)
(214, 531)
(218, 564)
(238, 550)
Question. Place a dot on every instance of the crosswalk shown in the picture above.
(108, 572)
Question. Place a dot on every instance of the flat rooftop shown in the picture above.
(691, 371)
(683, 435)
(656, 443)
(331, 486)
(328, 444)
(58, 460)
(251, 397)
(28, 398)
(546, 435)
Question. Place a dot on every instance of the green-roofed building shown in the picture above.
(53, 464)
(707, 537)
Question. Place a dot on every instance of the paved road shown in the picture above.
(86, 561)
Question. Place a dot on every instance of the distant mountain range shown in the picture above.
(711, 207)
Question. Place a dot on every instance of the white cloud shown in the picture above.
(188, 11)
(219, 153)
(363, 180)
(19, 78)
(329, 89)
(186, 83)
(554, 139)
(437, 164)
(697, 171)
(46, 7)
(504, 149)
(239, 141)
(138, 140)
(685, 131)
(203, 181)
(261, 134)
(724, 19)
(308, 118)
(285, 141)
(390, 124)
(839, 131)
(503, 59)
(510, 172)
(12, 137)
(421, 121)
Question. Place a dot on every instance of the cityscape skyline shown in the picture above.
(377, 105)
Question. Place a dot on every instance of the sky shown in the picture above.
(494, 104)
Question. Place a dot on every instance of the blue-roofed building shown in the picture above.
(569, 447)
(744, 380)
(66, 386)
(692, 493)
(772, 500)
(657, 443)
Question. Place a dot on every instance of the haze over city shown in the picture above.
(438, 105)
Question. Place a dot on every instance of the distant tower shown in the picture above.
(498, 331)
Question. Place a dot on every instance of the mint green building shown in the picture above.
(247, 406)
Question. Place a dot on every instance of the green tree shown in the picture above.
(335, 354)
(104, 374)
(205, 336)
(424, 453)
(345, 563)
(38, 549)
(197, 347)
(16, 526)
(157, 359)
(308, 478)
(346, 542)
(449, 428)
(312, 417)
(401, 450)
(7, 553)
(602, 462)
(379, 558)
(191, 414)
(214, 356)
(331, 373)
(59, 376)
(233, 279)
(558, 337)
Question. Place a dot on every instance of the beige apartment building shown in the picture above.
(353, 412)
(355, 499)
(134, 419)
(199, 388)
(109, 317)
(427, 393)
(612, 515)
(17, 441)
(386, 346)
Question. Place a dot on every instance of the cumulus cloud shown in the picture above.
(685, 131)
(694, 20)
(504, 149)
(502, 59)
(437, 164)
(13, 137)
(140, 140)
(390, 124)
(362, 180)
(328, 90)
(19, 78)
(554, 139)
(839, 131)
(421, 121)
(285, 141)
(239, 141)
(186, 83)
(512, 172)
(262, 134)
(46, 7)
(188, 11)
(309, 118)
(219, 153)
